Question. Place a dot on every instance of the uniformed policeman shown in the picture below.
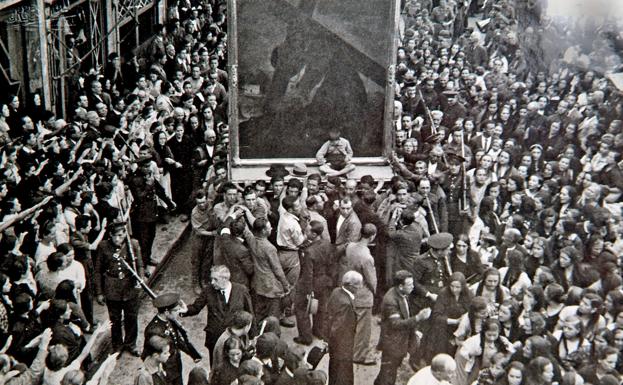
(165, 325)
(115, 286)
(432, 270)
(455, 193)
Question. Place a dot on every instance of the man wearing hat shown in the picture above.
(144, 212)
(163, 325)
(432, 270)
(455, 188)
(454, 109)
(115, 286)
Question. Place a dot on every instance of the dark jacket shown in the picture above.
(112, 279)
(219, 314)
(397, 324)
(342, 323)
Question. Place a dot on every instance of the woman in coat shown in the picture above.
(452, 303)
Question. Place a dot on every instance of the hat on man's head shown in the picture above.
(113, 226)
(167, 300)
(454, 158)
(440, 240)
(299, 169)
(450, 93)
(409, 84)
(488, 237)
(277, 170)
(144, 160)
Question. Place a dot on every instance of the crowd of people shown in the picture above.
(491, 257)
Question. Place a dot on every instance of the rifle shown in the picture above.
(176, 323)
(432, 216)
(433, 129)
(463, 171)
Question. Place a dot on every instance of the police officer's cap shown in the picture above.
(440, 240)
(454, 158)
(167, 300)
(115, 225)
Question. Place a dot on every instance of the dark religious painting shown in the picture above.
(305, 66)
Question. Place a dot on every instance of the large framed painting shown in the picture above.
(301, 67)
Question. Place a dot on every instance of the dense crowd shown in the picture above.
(491, 257)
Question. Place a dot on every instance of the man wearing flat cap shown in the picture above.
(163, 325)
(432, 271)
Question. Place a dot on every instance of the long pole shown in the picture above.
(432, 215)
(153, 295)
(463, 171)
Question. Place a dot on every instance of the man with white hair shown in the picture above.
(341, 328)
(440, 372)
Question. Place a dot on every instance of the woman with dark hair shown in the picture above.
(537, 256)
(465, 260)
(515, 374)
(540, 372)
(546, 225)
(564, 201)
(533, 300)
(555, 301)
(471, 322)
(198, 376)
(504, 167)
(229, 369)
(487, 221)
(570, 271)
(605, 365)
(164, 159)
(513, 274)
(490, 287)
(477, 351)
(66, 290)
(452, 303)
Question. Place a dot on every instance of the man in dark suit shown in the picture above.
(223, 298)
(96, 95)
(341, 325)
(345, 227)
(510, 241)
(163, 325)
(398, 324)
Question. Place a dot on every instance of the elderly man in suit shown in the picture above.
(358, 258)
(342, 325)
(345, 227)
(223, 298)
(398, 326)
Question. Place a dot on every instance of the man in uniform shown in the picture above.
(165, 325)
(115, 286)
(432, 271)
(455, 193)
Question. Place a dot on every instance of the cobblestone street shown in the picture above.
(175, 278)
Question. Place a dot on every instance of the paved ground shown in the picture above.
(175, 277)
